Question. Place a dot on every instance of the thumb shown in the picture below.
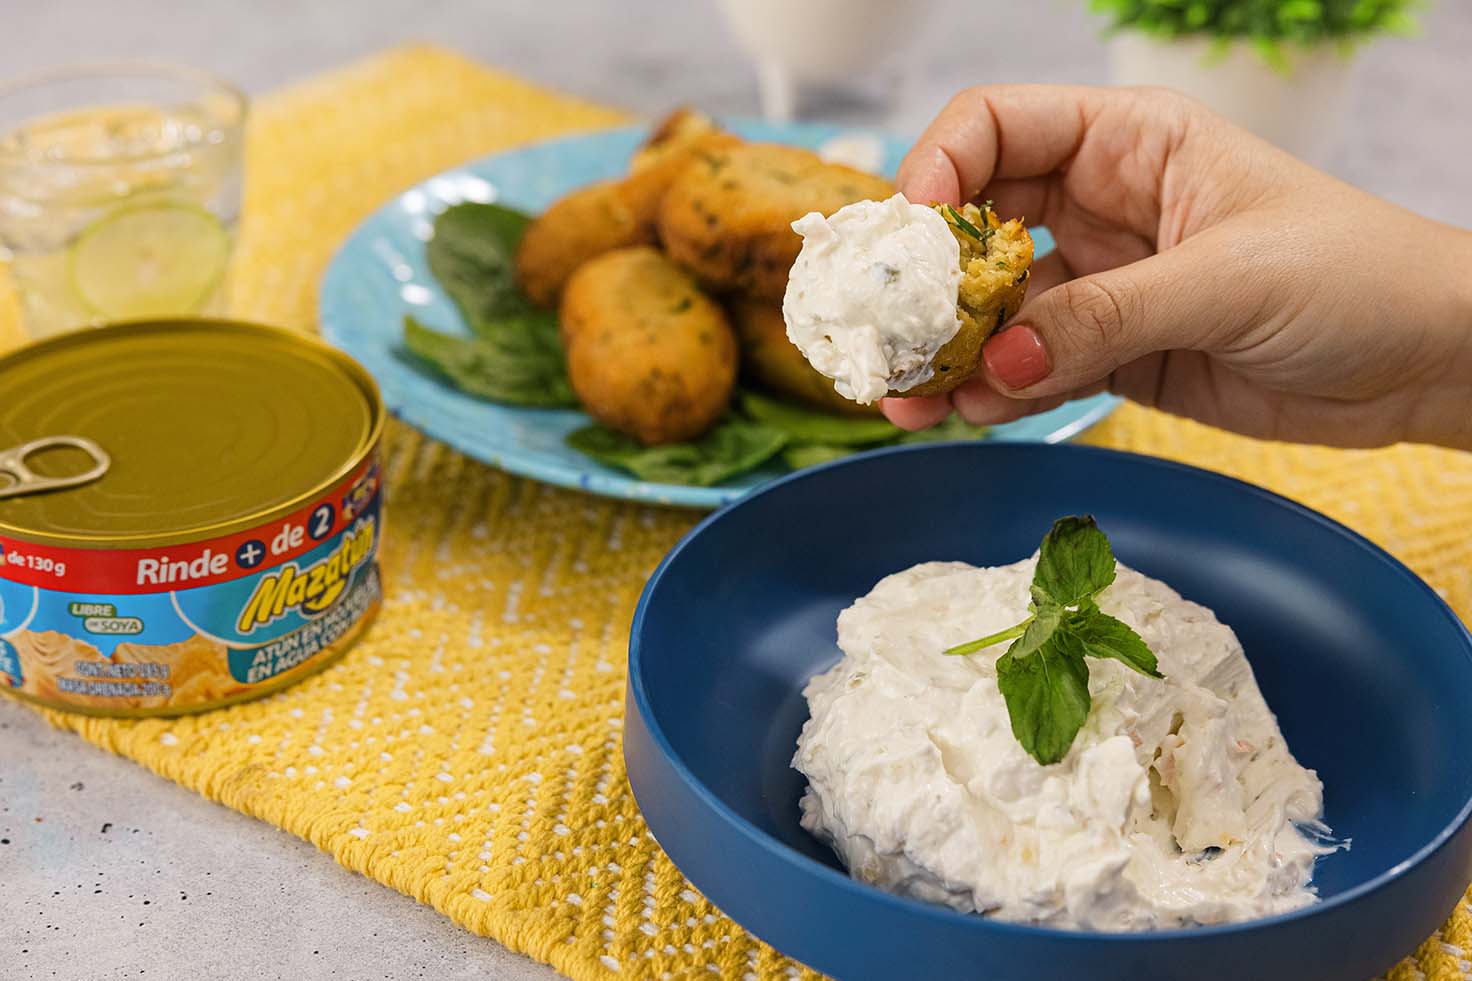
(1197, 296)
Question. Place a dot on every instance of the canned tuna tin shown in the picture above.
(189, 515)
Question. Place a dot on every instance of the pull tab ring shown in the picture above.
(27, 481)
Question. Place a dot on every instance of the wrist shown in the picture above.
(1449, 403)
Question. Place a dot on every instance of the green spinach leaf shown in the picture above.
(473, 257)
(518, 363)
(800, 455)
(732, 447)
(815, 426)
(952, 428)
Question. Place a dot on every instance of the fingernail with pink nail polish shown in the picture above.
(1016, 357)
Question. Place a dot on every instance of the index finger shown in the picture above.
(996, 132)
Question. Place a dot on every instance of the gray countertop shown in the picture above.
(107, 871)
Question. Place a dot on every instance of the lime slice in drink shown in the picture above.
(149, 260)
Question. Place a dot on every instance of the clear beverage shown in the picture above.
(119, 194)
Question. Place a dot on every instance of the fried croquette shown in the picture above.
(675, 135)
(996, 264)
(585, 223)
(661, 161)
(610, 215)
(728, 216)
(771, 360)
(648, 353)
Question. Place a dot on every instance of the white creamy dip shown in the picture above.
(872, 295)
(916, 780)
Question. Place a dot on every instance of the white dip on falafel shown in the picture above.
(872, 295)
(1178, 802)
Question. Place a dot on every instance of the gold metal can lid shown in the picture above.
(209, 427)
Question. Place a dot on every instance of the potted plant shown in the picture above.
(1281, 68)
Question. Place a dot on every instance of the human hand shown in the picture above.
(1201, 271)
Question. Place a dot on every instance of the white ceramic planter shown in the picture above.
(1303, 112)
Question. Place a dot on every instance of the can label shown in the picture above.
(182, 627)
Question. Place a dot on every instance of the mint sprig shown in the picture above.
(1044, 675)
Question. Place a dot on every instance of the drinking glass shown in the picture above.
(119, 193)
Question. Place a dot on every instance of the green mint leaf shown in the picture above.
(1101, 635)
(732, 447)
(516, 364)
(963, 224)
(814, 426)
(473, 257)
(1044, 675)
(1039, 629)
(1047, 695)
(1075, 562)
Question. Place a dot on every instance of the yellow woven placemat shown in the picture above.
(467, 751)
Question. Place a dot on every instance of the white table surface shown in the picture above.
(107, 871)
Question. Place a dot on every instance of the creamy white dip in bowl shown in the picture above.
(1368, 672)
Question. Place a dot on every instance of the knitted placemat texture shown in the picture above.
(467, 751)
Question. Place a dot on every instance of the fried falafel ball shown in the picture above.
(610, 215)
(585, 223)
(648, 353)
(676, 142)
(674, 136)
(728, 217)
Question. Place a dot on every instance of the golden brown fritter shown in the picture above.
(770, 359)
(676, 142)
(585, 223)
(675, 135)
(610, 215)
(728, 217)
(996, 263)
(648, 353)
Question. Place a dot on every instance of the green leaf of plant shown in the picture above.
(473, 257)
(815, 426)
(732, 447)
(516, 364)
(953, 428)
(1101, 635)
(800, 455)
(1039, 629)
(1075, 561)
(1047, 696)
(1044, 675)
(1303, 22)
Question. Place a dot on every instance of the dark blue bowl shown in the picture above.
(1369, 672)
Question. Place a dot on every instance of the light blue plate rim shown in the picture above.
(378, 275)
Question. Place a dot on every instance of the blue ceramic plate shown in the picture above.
(1369, 672)
(380, 274)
